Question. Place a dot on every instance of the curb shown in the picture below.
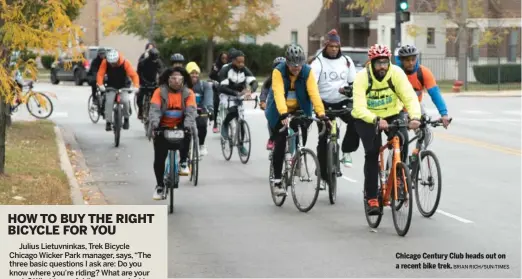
(76, 194)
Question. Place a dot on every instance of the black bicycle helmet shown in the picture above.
(277, 61)
(177, 58)
(295, 55)
(408, 50)
(154, 53)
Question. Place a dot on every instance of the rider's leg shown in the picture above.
(350, 141)
(160, 155)
(278, 156)
(126, 109)
(94, 88)
(183, 155)
(109, 103)
(139, 100)
(270, 143)
(216, 107)
(232, 113)
(404, 132)
(321, 152)
(202, 122)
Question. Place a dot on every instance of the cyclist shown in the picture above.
(267, 85)
(234, 81)
(177, 60)
(148, 46)
(379, 93)
(214, 75)
(93, 70)
(334, 74)
(204, 100)
(172, 104)
(293, 88)
(422, 78)
(118, 71)
(149, 68)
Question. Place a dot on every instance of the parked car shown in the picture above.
(76, 71)
(358, 55)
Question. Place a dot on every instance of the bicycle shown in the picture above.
(31, 96)
(333, 164)
(118, 112)
(174, 138)
(237, 128)
(388, 188)
(95, 109)
(292, 167)
(424, 138)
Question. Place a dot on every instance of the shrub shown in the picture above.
(488, 74)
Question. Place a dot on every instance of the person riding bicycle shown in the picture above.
(293, 88)
(148, 46)
(214, 76)
(173, 104)
(334, 73)
(93, 71)
(204, 95)
(262, 99)
(234, 81)
(118, 71)
(149, 68)
(421, 78)
(177, 60)
(379, 95)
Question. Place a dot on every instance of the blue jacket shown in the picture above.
(271, 112)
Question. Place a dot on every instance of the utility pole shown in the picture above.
(463, 44)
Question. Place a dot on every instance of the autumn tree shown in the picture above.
(30, 25)
(190, 19)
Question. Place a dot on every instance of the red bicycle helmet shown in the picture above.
(377, 51)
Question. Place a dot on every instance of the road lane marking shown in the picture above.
(503, 149)
(466, 221)
(59, 114)
(349, 179)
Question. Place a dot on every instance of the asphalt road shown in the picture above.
(228, 226)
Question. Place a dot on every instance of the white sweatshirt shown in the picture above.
(332, 74)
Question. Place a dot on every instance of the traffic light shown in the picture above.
(403, 5)
(403, 10)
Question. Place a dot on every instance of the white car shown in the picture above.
(358, 55)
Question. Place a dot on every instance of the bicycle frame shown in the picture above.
(391, 181)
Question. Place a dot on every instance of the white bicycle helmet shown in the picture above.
(112, 56)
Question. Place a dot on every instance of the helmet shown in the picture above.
(102, 50)
(278, 60)
(408, 50)
(112, 56)
(154, 53)
(295, 55)
(378, 51)
(177, 57)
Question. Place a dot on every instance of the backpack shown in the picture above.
(321, 63)
(420, 77)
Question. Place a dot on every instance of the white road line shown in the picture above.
(59, 115)
(349, 179)
(466, 221)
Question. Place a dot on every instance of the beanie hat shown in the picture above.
(192, 66)
(332, 37)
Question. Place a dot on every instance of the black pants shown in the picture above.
(350, 141)
(372, 143)
(202, 123)
(216, 105)
(141, 95)
(161, 149)
(278, 155)
(94, 88)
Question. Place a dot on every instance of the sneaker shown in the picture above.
(184, 169)
(108, 126)
(125, 124)
(347, 160)
(159, 193)
(224, 133)
(243, 151)
(277, 186)
(215, 130)
(270, 145)
(373, 207)
(203, 150)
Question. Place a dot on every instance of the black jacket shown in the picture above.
(93, 70)
(232, 80)
(148, 70)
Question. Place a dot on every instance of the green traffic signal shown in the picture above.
(403, 5)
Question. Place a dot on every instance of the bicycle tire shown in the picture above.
(402, 231)
(228, 142)
(243, 124)
(117, 125)
(194, 172)
(303, 152)
(331, 168)
(47, 99)
(173, 179)
(283, 184)
(424, 154)
(90, 105)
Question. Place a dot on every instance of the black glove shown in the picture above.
(323, 118)
(283, 116)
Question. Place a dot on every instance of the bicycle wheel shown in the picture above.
(117, 124)
(243, 127)
(331, 168)
(174, 179)
(309, 171)
(404, 199)
(228, 143)
(41, 100)
(93, 110)
(427, 184)
(194, 162)
(279, 200)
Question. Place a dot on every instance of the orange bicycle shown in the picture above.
(394, 189)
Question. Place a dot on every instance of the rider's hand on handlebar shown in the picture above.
(414, 124)
(102, 88)
(383, 124)
(284, 119)
(445, 121)
(262, 105)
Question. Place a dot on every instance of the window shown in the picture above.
(474, 54)
(512, 46)
(250, 39)
(294, 37)
(430, 36)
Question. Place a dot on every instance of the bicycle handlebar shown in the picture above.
(337, 112)
(300, 115)
(128, 90)
(434, 123)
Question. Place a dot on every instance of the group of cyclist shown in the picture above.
(376, 96)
